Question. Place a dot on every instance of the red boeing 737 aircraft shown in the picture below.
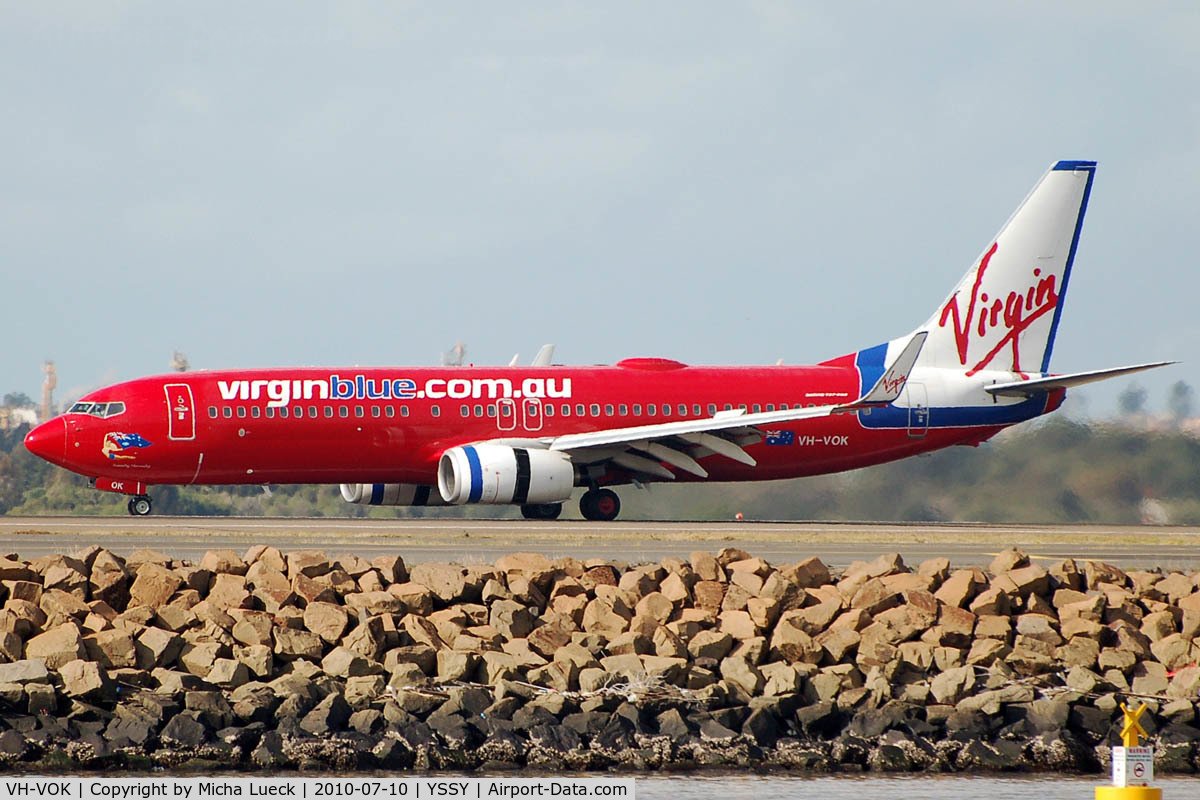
(529, 436)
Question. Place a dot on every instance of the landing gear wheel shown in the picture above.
(140, 506)
(600, 505)
(541, 510)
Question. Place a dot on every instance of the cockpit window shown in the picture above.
(101, 410)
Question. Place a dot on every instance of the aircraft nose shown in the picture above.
(49, 441)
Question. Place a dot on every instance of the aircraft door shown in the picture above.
(918, 409)
(181, 418)
(506, 414)
(531, 414)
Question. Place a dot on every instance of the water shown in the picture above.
(923, 787)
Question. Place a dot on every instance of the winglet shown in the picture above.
(891, 383)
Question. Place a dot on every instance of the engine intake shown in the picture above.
(496, 473)
(391, 494)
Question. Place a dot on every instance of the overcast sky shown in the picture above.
(297, 183)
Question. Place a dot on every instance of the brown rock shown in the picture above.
(221, 562)
(153, 585)
(155, 647)
(309, 563)
(711, 644)
(455, 665)
(991, 601)
(512, 619)
(198, 657)
(667, 644)
(793, 644)
(656, 606)
(416, 597)
(84, 679)
(1175, 652)
(600, 575)
(602, 616)
(266, 555)
(547, 639)
(309, 591)
(838, 642)
(737, 624)
(958, 589)
(228, 673)
(111, 649)
(447, 582)
(229, 591)
(372, 602)
(326, 620)
(344, 663)
(874, 597)
(291, 643)
(706, 566)
(763, 611)
(1010, 559)
(709, 595)
(629, 642)
(57, 646)
(391, 568)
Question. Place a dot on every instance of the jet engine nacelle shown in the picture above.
(496, 473)
(391, 494)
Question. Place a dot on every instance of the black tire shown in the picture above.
(600, 505)
(541, 510)
(140, 506)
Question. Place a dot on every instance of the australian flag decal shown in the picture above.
(781, 437)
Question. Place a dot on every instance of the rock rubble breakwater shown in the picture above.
(267, 660)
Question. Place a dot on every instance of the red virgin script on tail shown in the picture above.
(1008, 317)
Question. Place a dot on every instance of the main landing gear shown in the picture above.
(541, 510)
(140, 506)
(600, 505)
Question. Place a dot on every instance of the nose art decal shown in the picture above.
(116, 443)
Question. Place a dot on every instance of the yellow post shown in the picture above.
(1131, 763)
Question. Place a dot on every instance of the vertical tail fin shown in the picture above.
(1004, 313)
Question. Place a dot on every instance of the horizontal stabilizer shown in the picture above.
(1038, 385)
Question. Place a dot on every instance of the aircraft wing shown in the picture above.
(1037, 385)
(644, 448)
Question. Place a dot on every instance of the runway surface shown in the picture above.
(482, 541)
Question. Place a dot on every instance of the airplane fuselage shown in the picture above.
(390, 425)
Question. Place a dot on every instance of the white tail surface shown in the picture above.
(1004, 313)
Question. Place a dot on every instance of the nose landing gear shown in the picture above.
(600, 505)
(140, 506)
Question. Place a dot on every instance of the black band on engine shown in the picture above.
(521, 492)
(421, 496)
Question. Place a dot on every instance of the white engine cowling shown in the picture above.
(391, 494)
(496, 473)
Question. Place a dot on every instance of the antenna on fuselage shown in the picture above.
(179, 362)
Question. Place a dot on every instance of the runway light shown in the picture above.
(739, 516)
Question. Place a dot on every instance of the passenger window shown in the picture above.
(757, 408)
(549, 410)
(566, 409)
(728, 407)
(241, 411)
(712, 408)
(390, 411)
(464, 410)
(696, 410)
(255, 412)
(741, 406)
(637, 409)
(312, 412)
(435, 411)
(579, 410)
(651, 410)
(506, 410)
(227, 412)
(770, 406)
(359, 412)
(666, 409)
(328, 412)
(212, 412)
(375, 412)
(624, 410)
(478, 410)
(283, 412)
(682, 410)
(595, 409)
(343, 411)
(270, 412)
(491, 411)
(404, 411)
